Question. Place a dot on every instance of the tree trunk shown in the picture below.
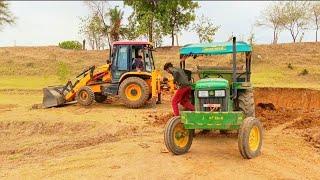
(317, 35)
(293, 36)
(274, 36)
(151, 30)
(172, 38)
(177, 40)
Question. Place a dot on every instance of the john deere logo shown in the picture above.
(216, 48)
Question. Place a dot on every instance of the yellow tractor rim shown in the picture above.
(133, 92)
(180, 136)
(254, 138)
(84, 95)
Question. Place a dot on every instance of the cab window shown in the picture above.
(147, 60)
(122, 58)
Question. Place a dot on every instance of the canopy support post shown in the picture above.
(234, 67)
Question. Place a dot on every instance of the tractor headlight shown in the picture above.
(203, 94)
(219, 93)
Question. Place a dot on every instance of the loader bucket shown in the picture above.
(52, 97)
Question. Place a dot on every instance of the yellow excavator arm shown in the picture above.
(85, 80)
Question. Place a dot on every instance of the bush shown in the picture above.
(304, 72)
(70, 45)
(290, 66)
(63, 71)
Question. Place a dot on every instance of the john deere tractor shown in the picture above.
(118, 77)
(223, 100)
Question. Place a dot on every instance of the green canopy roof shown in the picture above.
(214, 48)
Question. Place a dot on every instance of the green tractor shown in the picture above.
(223, 100)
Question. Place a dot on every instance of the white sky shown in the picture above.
(50, 22)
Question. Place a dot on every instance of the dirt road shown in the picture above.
(110, 141)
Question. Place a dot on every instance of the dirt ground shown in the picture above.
(110, 141)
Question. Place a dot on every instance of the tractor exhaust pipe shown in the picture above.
(234, 67)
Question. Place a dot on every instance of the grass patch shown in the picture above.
(27, 82)
(63, 71)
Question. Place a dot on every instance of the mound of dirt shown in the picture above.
(308, 126)
(274, 118)
(21, 91)
(289, 98)
(29, 128)
(312, 136)
(39, 140)
(7, 107)
(159, 119)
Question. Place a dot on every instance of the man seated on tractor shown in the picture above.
(182, 95)
(138, 64)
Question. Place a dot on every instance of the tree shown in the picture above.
(115, 23)
(130, 30)
(144, 13)
(205, 29)
(295, 17)
(271, 17)
(175, 15)
(100, 10)
(110, 21)
(251, 38)
(93, 29)
(6, 16)
(315, 14)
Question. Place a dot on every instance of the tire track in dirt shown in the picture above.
(41, 140)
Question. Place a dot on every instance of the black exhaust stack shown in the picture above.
(234, 67)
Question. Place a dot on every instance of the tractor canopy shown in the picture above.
(215, 48)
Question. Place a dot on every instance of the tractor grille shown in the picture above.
(213, 100)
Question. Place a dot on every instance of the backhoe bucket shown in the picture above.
(52, 97)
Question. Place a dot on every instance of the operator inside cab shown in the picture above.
(138, 62)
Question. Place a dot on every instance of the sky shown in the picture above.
(42, 23)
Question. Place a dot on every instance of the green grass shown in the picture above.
(266, 75)
(27, 82)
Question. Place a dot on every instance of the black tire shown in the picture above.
(100, 98)
(85, 96)
(145, 91)
(250, 124)
(169, 137)
(246, 102)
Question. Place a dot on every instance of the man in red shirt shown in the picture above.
(182, 95)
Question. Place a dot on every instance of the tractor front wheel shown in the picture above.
(250, 138)
(178, 140)
(85, 96)
(134, 91)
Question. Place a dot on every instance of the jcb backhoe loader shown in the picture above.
(118, 77)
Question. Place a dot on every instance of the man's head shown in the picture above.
(167, 67)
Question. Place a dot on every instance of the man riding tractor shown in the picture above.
(223, 100)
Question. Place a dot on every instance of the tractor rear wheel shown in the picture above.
(85, 96)
(178, 140)
(250, 138)
(134, 91)
(246, 103)
(99, 97)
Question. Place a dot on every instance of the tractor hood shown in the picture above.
(212, 83)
